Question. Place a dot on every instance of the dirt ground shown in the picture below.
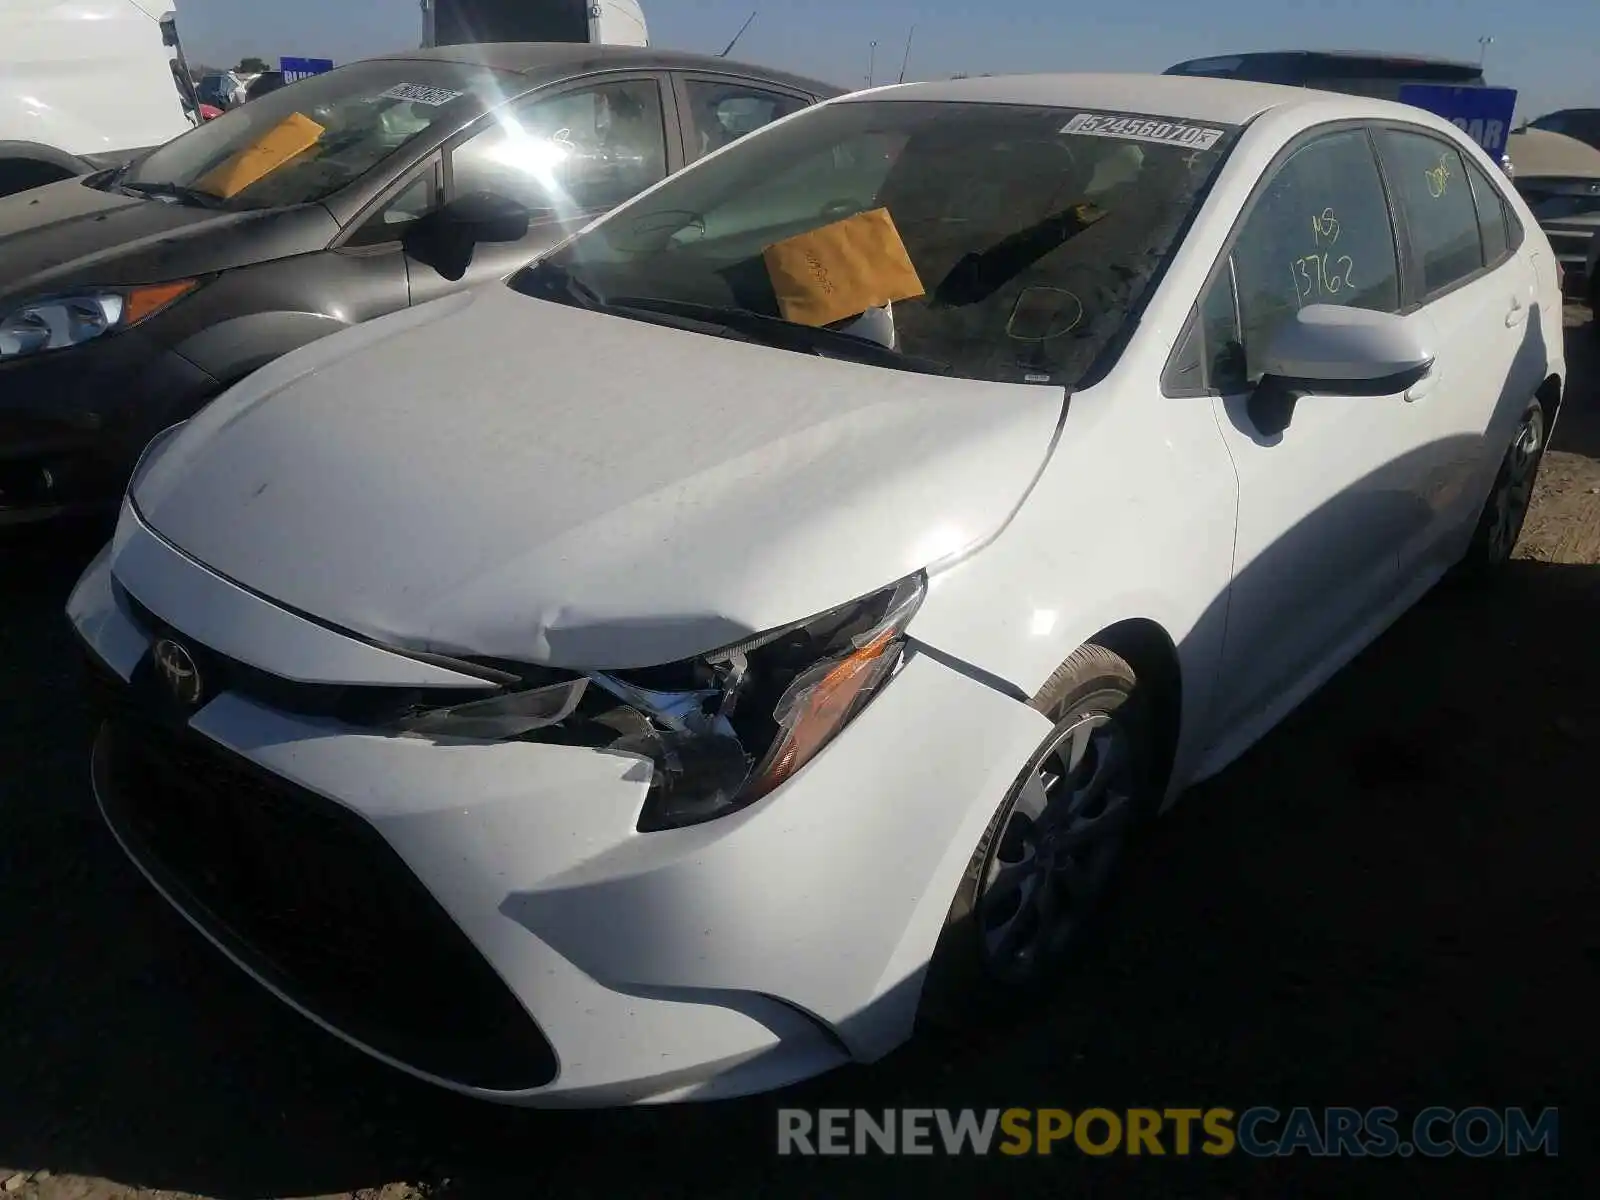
(1394, 899)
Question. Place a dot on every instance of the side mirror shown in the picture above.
(485, 217)
(1335, 350)
(445, 238)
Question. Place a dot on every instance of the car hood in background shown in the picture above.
(500, 476)
(68, 234)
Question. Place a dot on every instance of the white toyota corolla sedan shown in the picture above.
(639, 681)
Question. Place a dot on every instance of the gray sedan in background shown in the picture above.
(130, 298)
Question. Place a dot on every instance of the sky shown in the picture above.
(1547, 49)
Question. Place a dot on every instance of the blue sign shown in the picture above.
(1482, 113)
(303, 68)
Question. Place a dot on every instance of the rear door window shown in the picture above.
(1430, 184)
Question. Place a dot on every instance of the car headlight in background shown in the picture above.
(59, 322)
(720, 730)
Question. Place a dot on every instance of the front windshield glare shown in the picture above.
(302, 143)
(1034, 232)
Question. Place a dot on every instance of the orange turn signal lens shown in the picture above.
(815, 711)
(142, 302)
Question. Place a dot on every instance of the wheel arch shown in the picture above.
(1149, 649)
(1549, 396)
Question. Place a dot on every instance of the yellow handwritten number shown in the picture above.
(1438, 178)
(1315, 276)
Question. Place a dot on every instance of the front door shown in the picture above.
(1326, 503)
(568, 155)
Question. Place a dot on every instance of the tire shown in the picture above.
(973, 978)
(1501, 519)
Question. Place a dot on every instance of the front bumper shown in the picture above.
(713, 961)
(72, 423)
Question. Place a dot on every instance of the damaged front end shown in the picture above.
(720, 730)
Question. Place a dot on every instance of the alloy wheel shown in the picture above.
(1058, 849)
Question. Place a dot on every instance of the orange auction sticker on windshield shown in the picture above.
(289, 138)
(841, 270)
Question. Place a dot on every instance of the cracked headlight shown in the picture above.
(720, 730)
(61, 322)
(725, 729)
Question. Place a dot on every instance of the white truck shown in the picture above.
(86, 83)
(605, 22)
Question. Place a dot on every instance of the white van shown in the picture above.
(463, 22)
(604, 22)
(83, 84)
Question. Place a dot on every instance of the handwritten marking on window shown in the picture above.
(1325, 227)
(1320, 275)
(1438, 177)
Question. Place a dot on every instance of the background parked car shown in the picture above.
(130, 298)
(1380, 76)
(1580, 123)
(263, 84)
(222, 89)
(1559, 177)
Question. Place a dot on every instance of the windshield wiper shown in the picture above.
(982, 273)
(785, 335)
(176, 191)
(549, 281)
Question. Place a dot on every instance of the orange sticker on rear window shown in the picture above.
(841, 270)
(288, 139)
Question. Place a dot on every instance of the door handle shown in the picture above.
(1516, 314)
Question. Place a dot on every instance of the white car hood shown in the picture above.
(500, 476)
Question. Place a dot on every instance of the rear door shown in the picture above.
(568, 153)
(1478, 297)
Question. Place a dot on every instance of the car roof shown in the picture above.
(551, 60)
(1229, 101)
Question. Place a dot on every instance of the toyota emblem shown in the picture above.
(179, 672)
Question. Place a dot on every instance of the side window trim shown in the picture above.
(1417, 296)
(431, 164)
(1225, 256)
(1407, 262)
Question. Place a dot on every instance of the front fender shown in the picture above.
(1133, 518)
(232, 349)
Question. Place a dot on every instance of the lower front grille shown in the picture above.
(311, 898)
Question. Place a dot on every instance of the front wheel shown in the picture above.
(1038, 878)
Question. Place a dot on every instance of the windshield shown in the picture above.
(1034, 232)
(302, 143)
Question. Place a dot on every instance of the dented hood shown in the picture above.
(501, 476)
